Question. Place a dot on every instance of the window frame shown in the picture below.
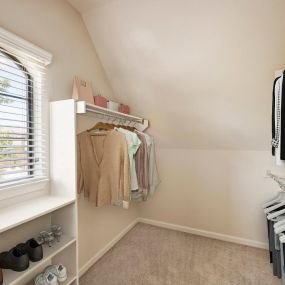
(24, 188)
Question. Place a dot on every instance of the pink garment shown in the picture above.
(100, 101)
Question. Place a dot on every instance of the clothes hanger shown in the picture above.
(128, 127)
(279, 223)
(280, 229)
(282, 238)
(131, 129)
(278, 198)
(274, 207)
(276, 214)
(101, 126)
(281, 195)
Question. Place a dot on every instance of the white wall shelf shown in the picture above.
(23, 212)
(92, 110)
(13, 278)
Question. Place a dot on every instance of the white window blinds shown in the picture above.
(23, 117)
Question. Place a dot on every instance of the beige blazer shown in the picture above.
(103, 168)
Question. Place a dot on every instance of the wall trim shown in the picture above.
(213, 235)
(106, 248)
(194, 231)
(9, 40)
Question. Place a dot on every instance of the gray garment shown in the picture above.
(154, 179)
(153, 175)
(276, 255)
(282, 248)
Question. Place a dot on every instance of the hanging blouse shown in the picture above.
(133, 146)
(103, 168)
(142, 170)
(153, 176)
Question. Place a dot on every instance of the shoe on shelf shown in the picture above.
(14, 259)
(32, 248)
(59, 271)
(46, 278)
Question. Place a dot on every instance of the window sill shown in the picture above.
(20, 213)
(16, 190)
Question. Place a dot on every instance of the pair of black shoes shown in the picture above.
(18, 258)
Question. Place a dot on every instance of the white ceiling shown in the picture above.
(201, 71)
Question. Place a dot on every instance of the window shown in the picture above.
(23, 148)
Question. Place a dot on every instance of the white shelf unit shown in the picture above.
(64, 252)
(56, 205)
(21, 213)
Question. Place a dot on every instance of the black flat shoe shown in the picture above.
(14, 259)
(32, 248)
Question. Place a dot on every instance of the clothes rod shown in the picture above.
(116, 116)
(92, 110)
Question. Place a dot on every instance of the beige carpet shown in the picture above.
(149, 255)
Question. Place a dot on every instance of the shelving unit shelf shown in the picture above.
(21, 213)
(70, 279)
(12, 277)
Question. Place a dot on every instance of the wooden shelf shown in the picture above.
(23, 212)
(13, 278)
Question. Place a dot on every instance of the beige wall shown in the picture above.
(217, 191)
(202, 72)
(204, 67)
(55, 26)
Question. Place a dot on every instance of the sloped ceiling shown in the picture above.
(83, 6)
(201, 71)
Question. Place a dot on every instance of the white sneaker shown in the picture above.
(46, 278)
(59, 271)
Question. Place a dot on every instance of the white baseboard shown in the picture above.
(170, 226)
(106, 248)
(229, 238)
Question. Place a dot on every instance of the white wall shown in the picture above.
(56, 27)
(202, 72)
(217, 191)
